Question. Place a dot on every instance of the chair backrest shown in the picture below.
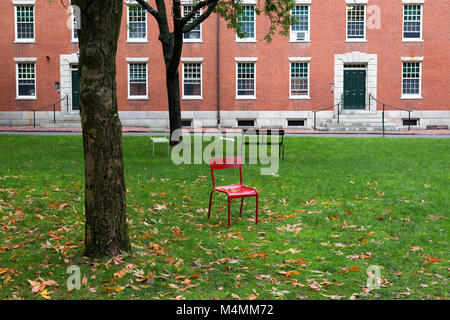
(225, 163)
(158, 128)
(264, 132)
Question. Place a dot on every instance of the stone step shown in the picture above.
(61, 124)
(357, 120)
(360, 124)
(360, 129)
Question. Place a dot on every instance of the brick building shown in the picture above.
(395, 51)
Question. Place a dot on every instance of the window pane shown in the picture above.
(411, 78)
(26, 80)
(355, 21)
(192, 76)
(247, 20)
(194, 33)
(137, 22)
(138, 79)
(412, 15)
(299, 78)
(246, 79)
(25, 22)
(301, 13)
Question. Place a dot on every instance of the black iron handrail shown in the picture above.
(54, 109)
(392, 107)
(333, 106)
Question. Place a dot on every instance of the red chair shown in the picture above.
(232, 191)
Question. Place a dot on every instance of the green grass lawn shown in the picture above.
(336, 207)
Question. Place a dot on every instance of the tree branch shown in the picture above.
(189, 26)
(198, 6)
(150, 9)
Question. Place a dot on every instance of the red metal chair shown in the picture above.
(232, 191)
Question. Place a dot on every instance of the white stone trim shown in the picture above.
(371, 81)
(66, 60)
(20, 60)
(191, 59)
(228, 118)
(137, 60)
(246, 59)
(413, 1)
(299, 59)
(356, 1)
(24, 2)
(302, 1)
(412, 59)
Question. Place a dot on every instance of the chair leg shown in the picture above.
(229, 212)
(257, 208)
(242, 202)
(210, 202)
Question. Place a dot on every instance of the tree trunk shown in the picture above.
(173, 93)
(106, 231)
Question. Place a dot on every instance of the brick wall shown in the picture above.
(328, 37)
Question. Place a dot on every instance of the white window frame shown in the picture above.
(197, 61)
(75, 40)
(414, 60)
(409, 3)
(29, 3)
(246, 60)
(191, 4)
(249, 39)
(142, 61)
(357, 3)
(21, 61)
(293, 34)
(136, 40)
(300, 60)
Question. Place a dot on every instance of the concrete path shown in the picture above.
(140, 131)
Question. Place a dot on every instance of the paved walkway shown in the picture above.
(142, 131)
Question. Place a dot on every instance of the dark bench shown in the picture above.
(261, 134)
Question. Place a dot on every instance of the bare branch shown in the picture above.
(189, 26)
(150, 9)
(198, 6)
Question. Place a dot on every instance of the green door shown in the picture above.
(354, 89)
(75, 91)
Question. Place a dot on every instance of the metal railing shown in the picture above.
(339, 105)
(392, 107)
(54, 109)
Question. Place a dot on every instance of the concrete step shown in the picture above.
(357, 120)
(365, 129)
(61, 124)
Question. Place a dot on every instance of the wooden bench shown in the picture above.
(261, 134)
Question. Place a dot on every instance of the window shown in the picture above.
(296, 122)
(410, 122)
(356, 28)
(245, 123)
(196, 33)
(412, 22)
(137, 80)
(245, 80)
(24, 23)
(192, 80)
(186, 123)
(299, 79)
(247, 21)
(411, 79)
(300, 30)
(137, 23)
(74, 28)
(26, 80)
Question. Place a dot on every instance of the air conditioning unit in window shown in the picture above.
(300, 36)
